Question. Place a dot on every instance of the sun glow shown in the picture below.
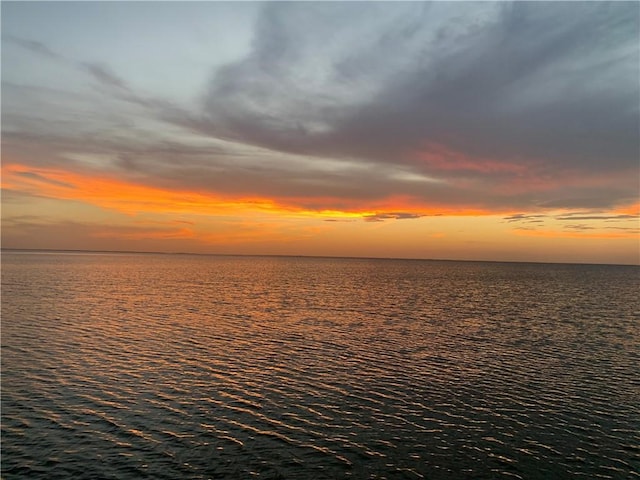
(104, 212)
(125, 197)
(133, 198)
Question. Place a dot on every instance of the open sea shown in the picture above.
(129, 366)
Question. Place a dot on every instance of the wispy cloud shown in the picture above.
(101, 74)
(525, 218)
(104, 76)
(41, 178)
(380, 217)
(31, 45)
(605, 217)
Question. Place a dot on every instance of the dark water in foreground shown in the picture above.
(168, 367)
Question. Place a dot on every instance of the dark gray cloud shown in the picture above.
(525, 218)
(522, 80)
(585, 221)
(579, 227)
(571, 216)
(380, 217)
(488, 91)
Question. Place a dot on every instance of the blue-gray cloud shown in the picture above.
(523, 80)
(32, 45)
(551, 87)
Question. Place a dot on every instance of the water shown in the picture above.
(175, 366)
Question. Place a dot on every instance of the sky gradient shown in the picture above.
(484, 131)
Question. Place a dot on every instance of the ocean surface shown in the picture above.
(129, 366)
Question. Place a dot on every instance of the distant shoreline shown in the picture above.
(134, 252)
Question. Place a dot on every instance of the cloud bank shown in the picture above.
(492, 97)
(434, 106)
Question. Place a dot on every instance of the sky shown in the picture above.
(505, 131)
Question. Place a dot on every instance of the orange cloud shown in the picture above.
(629, 210)
(132, 198)
(122, 196)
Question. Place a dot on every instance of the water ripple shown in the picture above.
(164, 367)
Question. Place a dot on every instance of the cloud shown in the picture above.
(573, 217)
(43, 179)
(100, 73)
(104, 76)
(380, 217)
(603, 225)
(379, 107)
(43, 233)
(524, 217)
(31, 45)
(534, 89)
(601, 234)
(437, 73)
(579, 226)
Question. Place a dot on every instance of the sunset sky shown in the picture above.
(448, 130)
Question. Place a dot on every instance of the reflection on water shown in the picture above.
(176, 366)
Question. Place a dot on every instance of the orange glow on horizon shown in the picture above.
(154, 218)
(567, 234)
(132, 198)
(629, 210)
(125, 197)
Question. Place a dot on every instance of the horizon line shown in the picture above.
(344, 257)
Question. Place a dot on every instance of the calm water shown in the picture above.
(175, 366)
